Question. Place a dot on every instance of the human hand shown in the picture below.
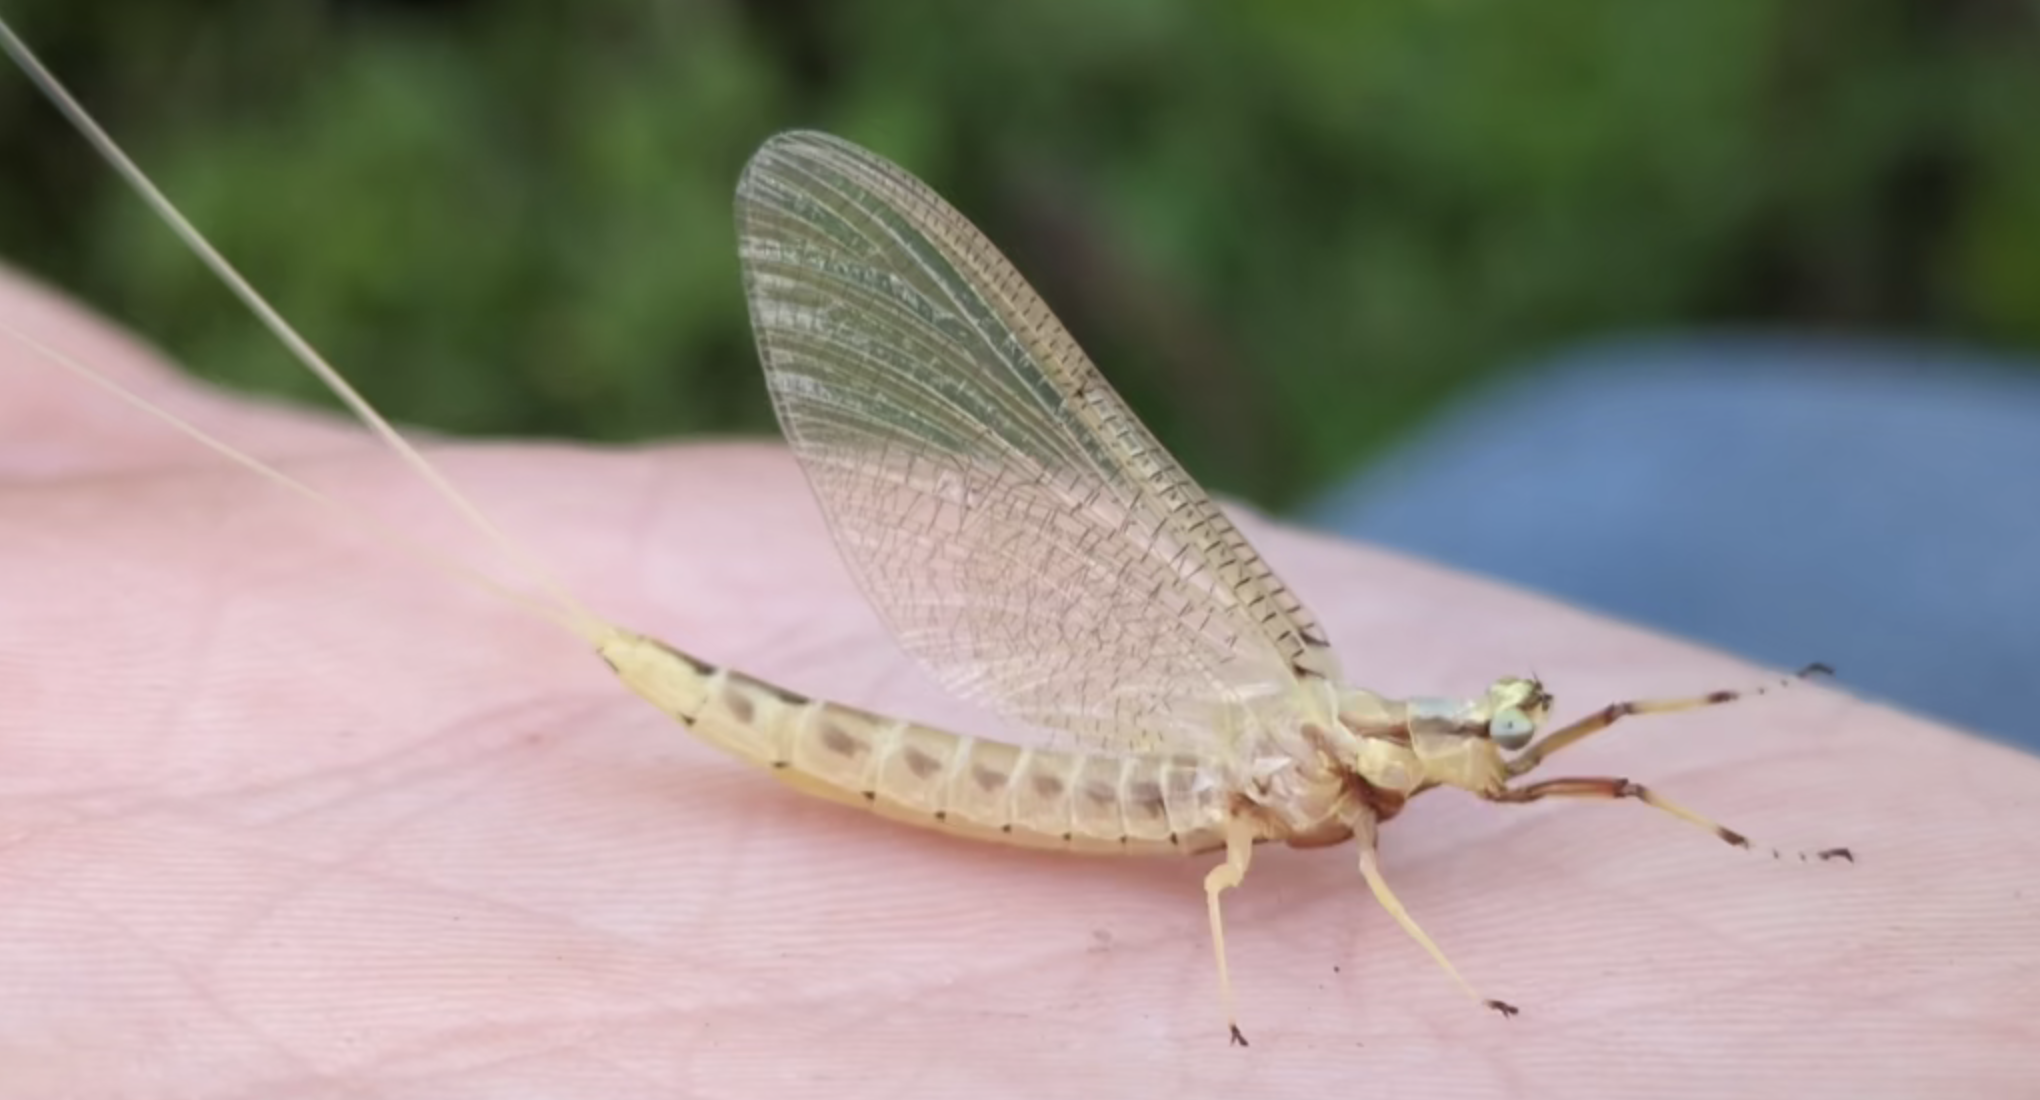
(284, 813)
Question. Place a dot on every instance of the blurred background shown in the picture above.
(1302, 238)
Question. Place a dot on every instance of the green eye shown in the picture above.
(1511, 728)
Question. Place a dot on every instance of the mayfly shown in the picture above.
(1036, 549)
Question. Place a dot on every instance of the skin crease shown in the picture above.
(283, 813)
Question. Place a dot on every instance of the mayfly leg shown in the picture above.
(1594, 723)
(1615, 788)
(1605, 787)
(1239, 852)
(1370, 870)
(1612, 788)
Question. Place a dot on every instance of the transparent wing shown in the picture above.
(1026, 538)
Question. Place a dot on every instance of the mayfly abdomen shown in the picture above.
(975, 787)
(971, 786)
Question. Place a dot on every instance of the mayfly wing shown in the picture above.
(1025, 537)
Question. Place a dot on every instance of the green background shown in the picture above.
(1288, 231)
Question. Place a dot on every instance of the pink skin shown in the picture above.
(283, 813)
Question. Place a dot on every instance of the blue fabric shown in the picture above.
(1873, 506)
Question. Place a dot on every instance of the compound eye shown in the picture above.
(1511, 728)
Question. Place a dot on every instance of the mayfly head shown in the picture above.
(1514, 708)
(1507, 716)
(1460, 742)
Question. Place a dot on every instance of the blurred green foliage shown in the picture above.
(1286, 230)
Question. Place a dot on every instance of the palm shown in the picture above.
(284, 810)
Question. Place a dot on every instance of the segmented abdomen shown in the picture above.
(1087, 802)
